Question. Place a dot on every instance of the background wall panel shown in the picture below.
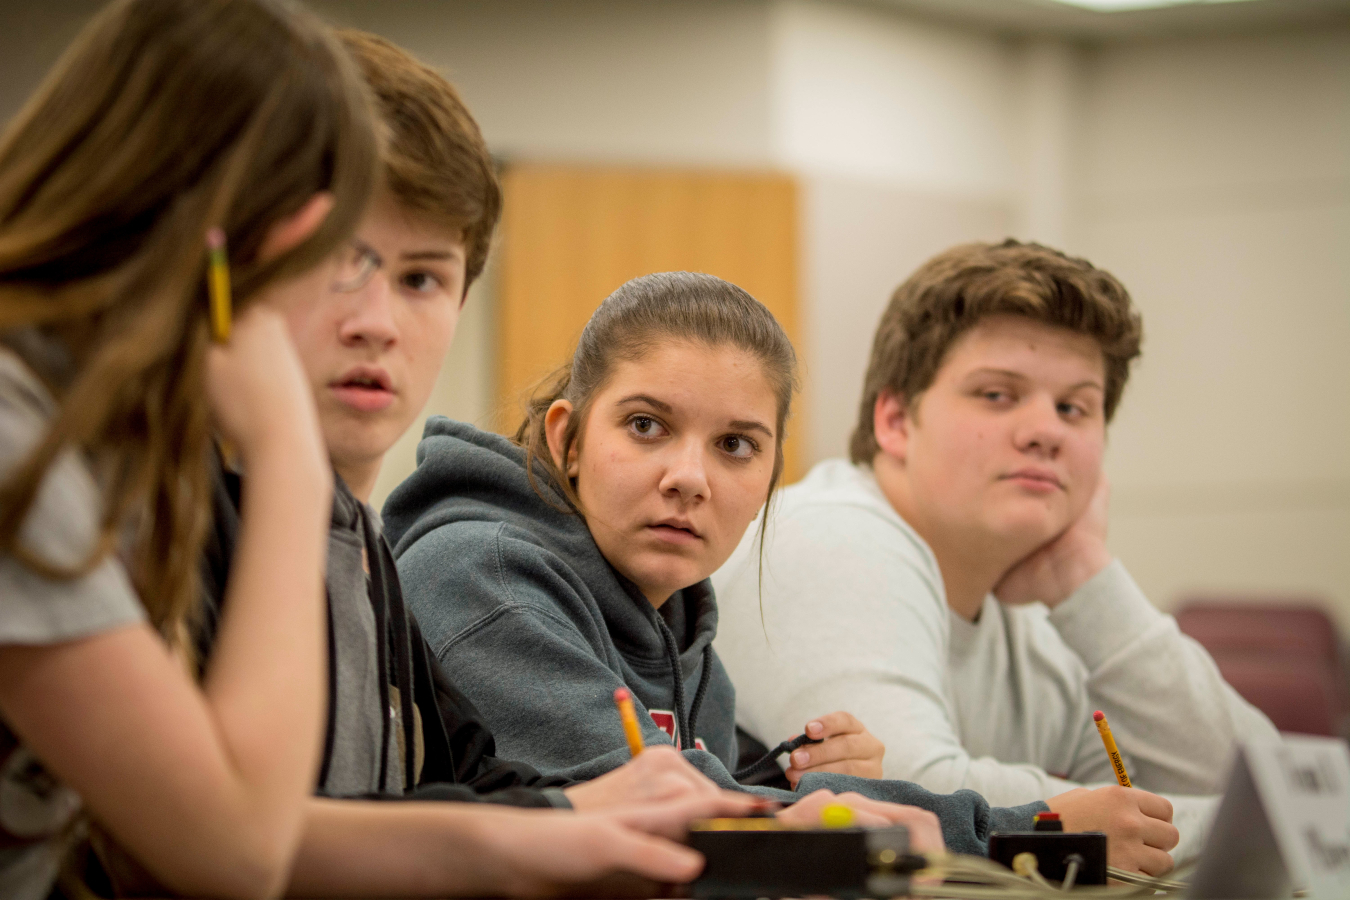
(570, 235)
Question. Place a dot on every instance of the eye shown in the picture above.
(739, 446)
(422, 282)
(1073, 411)
(995, 395)
(646, 427)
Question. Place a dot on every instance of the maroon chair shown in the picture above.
(1282, 656)
(1299, 627)
(1301, 695)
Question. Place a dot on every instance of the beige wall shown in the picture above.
(1215, 181)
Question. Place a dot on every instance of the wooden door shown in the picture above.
(572, 234)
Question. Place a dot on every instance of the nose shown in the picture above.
(686, 475)
(370, 318)
(1039, 429)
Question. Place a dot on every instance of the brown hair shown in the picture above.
(163, 118)
(951, 292)
(635, 318)
(436, 162)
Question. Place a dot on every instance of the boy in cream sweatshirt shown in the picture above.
(950, 585)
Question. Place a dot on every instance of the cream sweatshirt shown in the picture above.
(854, 617)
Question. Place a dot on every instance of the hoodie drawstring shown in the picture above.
(685, 722)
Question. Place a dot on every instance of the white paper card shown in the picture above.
(1304, 783)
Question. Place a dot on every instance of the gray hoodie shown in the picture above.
(533, 624)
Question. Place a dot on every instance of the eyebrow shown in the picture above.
(738, 424)
(1020, 377)
(426, 254)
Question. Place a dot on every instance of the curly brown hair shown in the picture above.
(949, 294)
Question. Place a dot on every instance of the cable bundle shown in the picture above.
(975, 878)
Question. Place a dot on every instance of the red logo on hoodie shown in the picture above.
(665, 720)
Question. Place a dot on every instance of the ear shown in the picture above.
(891, 421)
(555, 427)
(293, 230)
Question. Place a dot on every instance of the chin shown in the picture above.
(1030, 529)
(676, 577)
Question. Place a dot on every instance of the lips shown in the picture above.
(364, 388)
(1036, 479)
(676, 530)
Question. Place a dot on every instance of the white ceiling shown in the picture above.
(1046, 17)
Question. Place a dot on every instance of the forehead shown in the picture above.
(393, 225)
(717, 383)
(1024, 346)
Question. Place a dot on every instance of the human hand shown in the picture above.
(259, 392)
(925, 831)
(658, 773)
(1055, 570)
(846, 747)
(628, 851)
(1138, 825)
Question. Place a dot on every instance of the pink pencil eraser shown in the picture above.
(1098, 716)
(215, 238)
(621, 694)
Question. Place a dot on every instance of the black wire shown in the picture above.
(770, 758)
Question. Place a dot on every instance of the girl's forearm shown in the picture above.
(393, 849)
(265, 681)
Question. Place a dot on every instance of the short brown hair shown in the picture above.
(436, 162)
(957, 288)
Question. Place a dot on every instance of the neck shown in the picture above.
(970, 567)
(360, 477)
(657, 598)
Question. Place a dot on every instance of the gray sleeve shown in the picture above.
(547, 694)
(61, 528)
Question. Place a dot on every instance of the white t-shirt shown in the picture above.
(35, 809)
(854, 617)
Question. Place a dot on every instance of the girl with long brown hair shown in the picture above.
(165, 119)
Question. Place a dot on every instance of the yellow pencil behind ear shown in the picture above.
(218, 286)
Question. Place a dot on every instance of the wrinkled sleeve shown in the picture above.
(854, 619)
(1166, 701)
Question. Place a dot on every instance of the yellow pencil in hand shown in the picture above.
(1111, 749)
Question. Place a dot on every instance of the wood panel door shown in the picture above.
(572, 234)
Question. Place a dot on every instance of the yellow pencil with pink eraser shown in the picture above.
(1111, 749)
(218, 285)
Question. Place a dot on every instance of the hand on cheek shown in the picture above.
(1055, 570)
(846, 747)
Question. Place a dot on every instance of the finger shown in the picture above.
(836, 749)
(832, 724)
(925, 832)
(1162, 835)
(671, 818)
(1153, 862)
(1154, 806)
(656, 858)
(809, 814)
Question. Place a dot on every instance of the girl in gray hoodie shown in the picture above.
(548, 571)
